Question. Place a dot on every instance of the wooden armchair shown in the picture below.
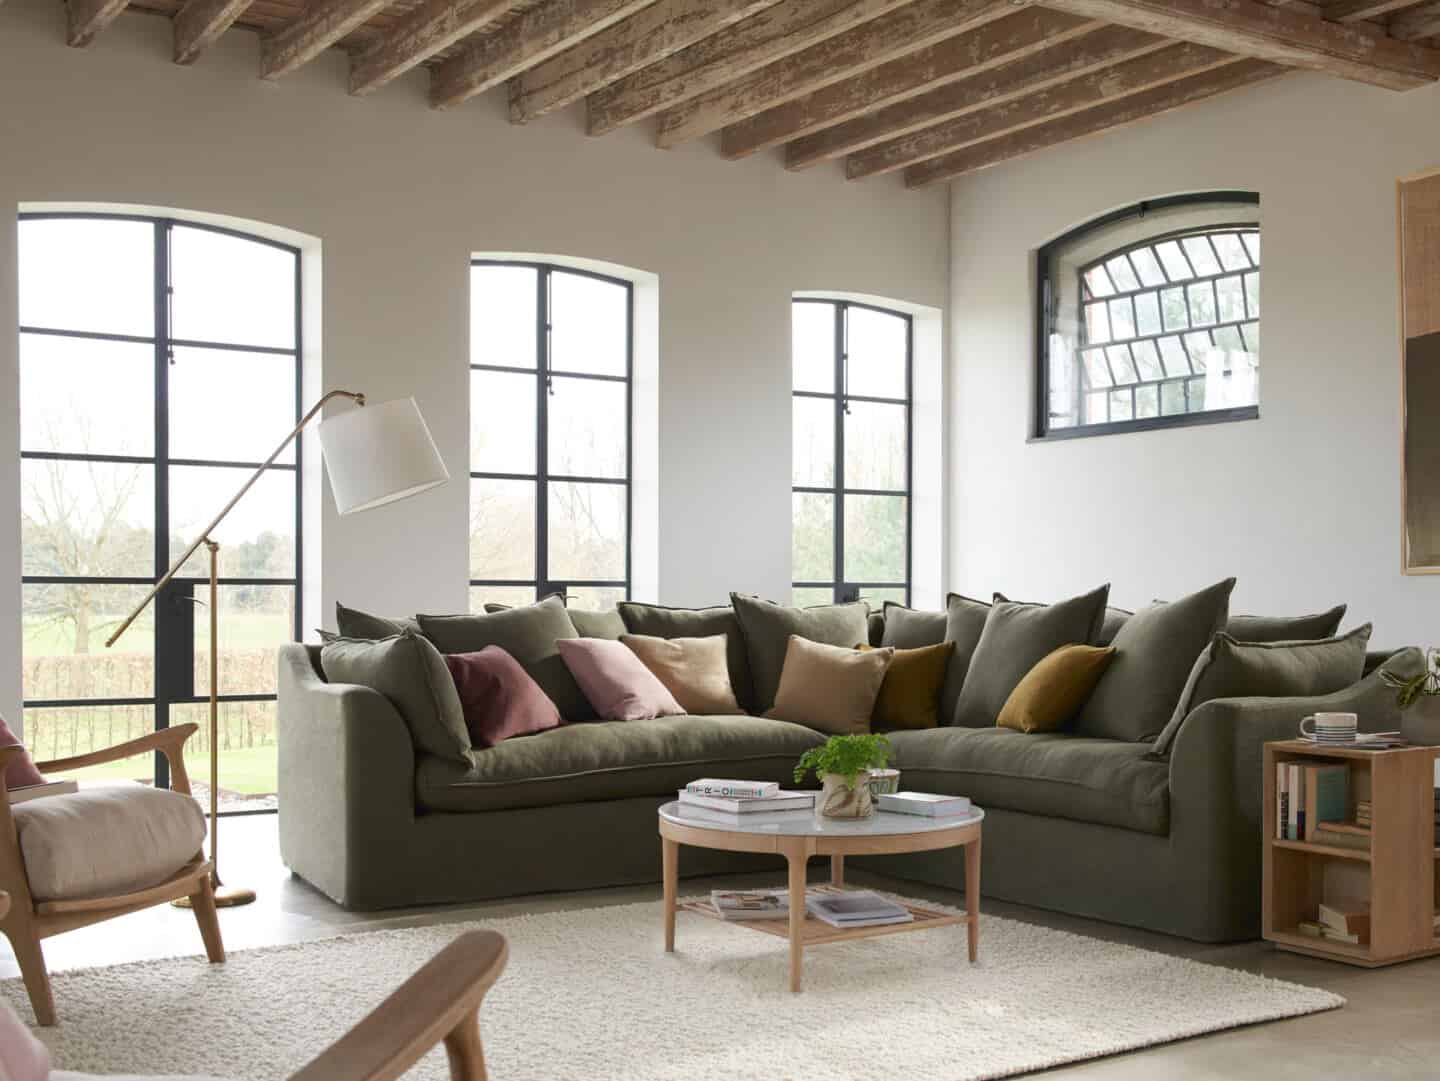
(29, 921)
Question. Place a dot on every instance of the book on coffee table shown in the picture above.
(924, 803)
(856, 908)
(780, 801)
(710, 786)
(751, 904)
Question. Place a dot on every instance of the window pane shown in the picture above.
(1147, 314)
(502, 529)
(1252, 245)
(1228, 338)
(1232, 252)
(1096, 369)
(812, 345)
(1148, 266)
(232, 290)
(1122, 319)
(1202, 304)
(1177, 312)
(1171, 257)
(1121, 274)
(594, 598)
(1097, 407)
(812, 556)
(587, 427)
(1173, 354)
(87, 274)
(510, 596)
(1172, 398)
(1202, 256)
(876, 596)
(1251, 333)
(1099, 282)
(257, 538)
(64, 628)
(1232, 299)
(65, 731)
(502, 422)
(1147, 402)
(813, 436)
(1120, 405)
(1097, 323)
(877, 345)
(875, 446)
(589, 324)
(587, 532)
(231, 406)
(1198, 346)
(1195, 389)
(81, 396)
(1121, 364)
(254, 622)
(1252, 294)
(247, 770)
(502, 316)
(1147, 359)
(809, 598)
(875, 538)
(92, 519)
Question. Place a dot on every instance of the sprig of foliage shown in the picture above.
(849, 757)
(1410, 689)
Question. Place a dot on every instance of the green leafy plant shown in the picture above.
(1410, 689)
(850, 757)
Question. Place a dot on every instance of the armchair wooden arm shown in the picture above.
(169, 741)
(440, 1002)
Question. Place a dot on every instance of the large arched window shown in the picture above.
(1151, 318)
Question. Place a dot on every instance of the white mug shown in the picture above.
(1331, 727)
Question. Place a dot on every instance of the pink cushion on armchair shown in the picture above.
(22, 1056)
(498, 697)
(21, 773)
(616, 681)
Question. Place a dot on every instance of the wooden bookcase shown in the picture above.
(1397, 876)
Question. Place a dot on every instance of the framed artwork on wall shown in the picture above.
(1418, 205)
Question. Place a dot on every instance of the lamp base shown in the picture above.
(225, 897)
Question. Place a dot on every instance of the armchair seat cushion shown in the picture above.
(105, 841)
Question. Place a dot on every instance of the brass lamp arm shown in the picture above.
(357, 398)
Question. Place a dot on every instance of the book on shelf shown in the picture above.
(780, 801)
(1324, 834)
(710, 786)
(1347, 919)
(1327, 794)
(751, 904)
(856, 908)
(37, 791)
(1316, 929)
(926, 804)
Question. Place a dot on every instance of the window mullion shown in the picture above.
(542, 431)
(172, 620)
(842, 407)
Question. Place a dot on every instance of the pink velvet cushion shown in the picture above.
(22, 1056)
(616, 681)
(498, 697)
(21, 773)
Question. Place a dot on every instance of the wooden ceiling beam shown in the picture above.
(533, 38)
(1099, 49)
(646, 38)
(1352, 11)
(1175, 61)
(86, 18)
(199, 23)
(320, 26)
(419, 34)
(1420, 22)
(783, 30)
(1011, 38)
(1282, 35)
(1126, 110)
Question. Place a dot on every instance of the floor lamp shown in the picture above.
(374, 455)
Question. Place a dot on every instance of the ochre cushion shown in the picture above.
(108, 840)
(1054, 690)
(657, 621)
(695, 670)
(830, 688)
(616, 681)
(498, 697)
(910, 696)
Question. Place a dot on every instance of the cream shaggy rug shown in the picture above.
(590, 996)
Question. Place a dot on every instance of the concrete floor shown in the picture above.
(1390, 1029)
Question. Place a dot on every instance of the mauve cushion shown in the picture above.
(21, 773)
(616, 681)
(22, 1056)
(498, 696)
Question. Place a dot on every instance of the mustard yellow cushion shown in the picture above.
(1054, 690)
(910, 696)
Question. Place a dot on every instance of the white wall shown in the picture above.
(1302, 505)
(400, 196)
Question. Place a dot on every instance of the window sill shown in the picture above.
(1149, 424)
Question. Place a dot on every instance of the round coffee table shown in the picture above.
(798, 835)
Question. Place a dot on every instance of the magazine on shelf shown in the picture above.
(751, 904)
(856, 908)
(781, 801)
(48, 788)
(710, 786)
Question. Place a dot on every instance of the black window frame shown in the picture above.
(843, 590)
(1046, 290)
(542, 583)
(175, 605)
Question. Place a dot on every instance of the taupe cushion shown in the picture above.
(1115, 618)
(964, 623)
(830, 688)
(911, 628)
(1286, 628)
(694, 670)
(614, 760)
(353, 623)
(767, 628)
(658, 621)
(107, 840)
(1062, 776)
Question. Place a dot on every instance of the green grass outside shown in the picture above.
(239, 630)
(248, 770)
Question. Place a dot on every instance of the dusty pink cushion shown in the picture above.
(22, 1056)
(498, 696)
(21, 773)
(616, 681)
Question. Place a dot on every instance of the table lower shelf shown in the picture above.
(817, 932)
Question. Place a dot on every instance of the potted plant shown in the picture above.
(843, 765)
(1418, 697)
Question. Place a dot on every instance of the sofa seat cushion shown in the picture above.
(1109, 782)
(105, 841)
(613, 760)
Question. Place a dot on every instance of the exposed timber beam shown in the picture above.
(419, 34)
(647, 37)
(199, 23)
(1096, 50)
(533, 38)
(1420, 22)
(783, 30)
(320, 26)
(1354, 11)
(1127, 110)
(1282, 35)
(1012, 38)
(86, 18)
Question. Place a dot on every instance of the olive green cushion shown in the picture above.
(588, 624)
(911, 628)
(1154, 653)
(1015, 638)
(767, 627)
(353, 623)
(410, 672)
(658, 621)
(1115, 618)
(612, 760)
(1286, 628)
(1229, 668)
(964, 623)
(528, 634)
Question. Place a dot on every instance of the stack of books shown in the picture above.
(924, 804)
(751, 904)
(1362, 813)
(1348, 923)
(1437, 818)
(727, 797)
(856, 908)
(1307, 795)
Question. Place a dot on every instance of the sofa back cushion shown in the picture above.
(618, 684)
(658, 621)
(910, 628)
(529, 635)
(498, 697)
(353, 623)
(1154, 652)
(588, 623)
(767, 628)
(1051, 692)
(1230, 668)
(830, 688)
(910, 696)
(1015, 638)
(1286, 628)
(1110, 625)
(694, 670)
(410, 672)
(964, 622)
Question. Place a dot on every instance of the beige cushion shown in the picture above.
(829, 688)
(108, 840)
(695, 670)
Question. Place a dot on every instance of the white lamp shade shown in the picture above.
(376, 454)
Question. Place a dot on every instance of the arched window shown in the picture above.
(1151, 318)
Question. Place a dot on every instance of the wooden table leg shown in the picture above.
(972, 894)
(670, 876)
(798, 859)
(837, 870)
